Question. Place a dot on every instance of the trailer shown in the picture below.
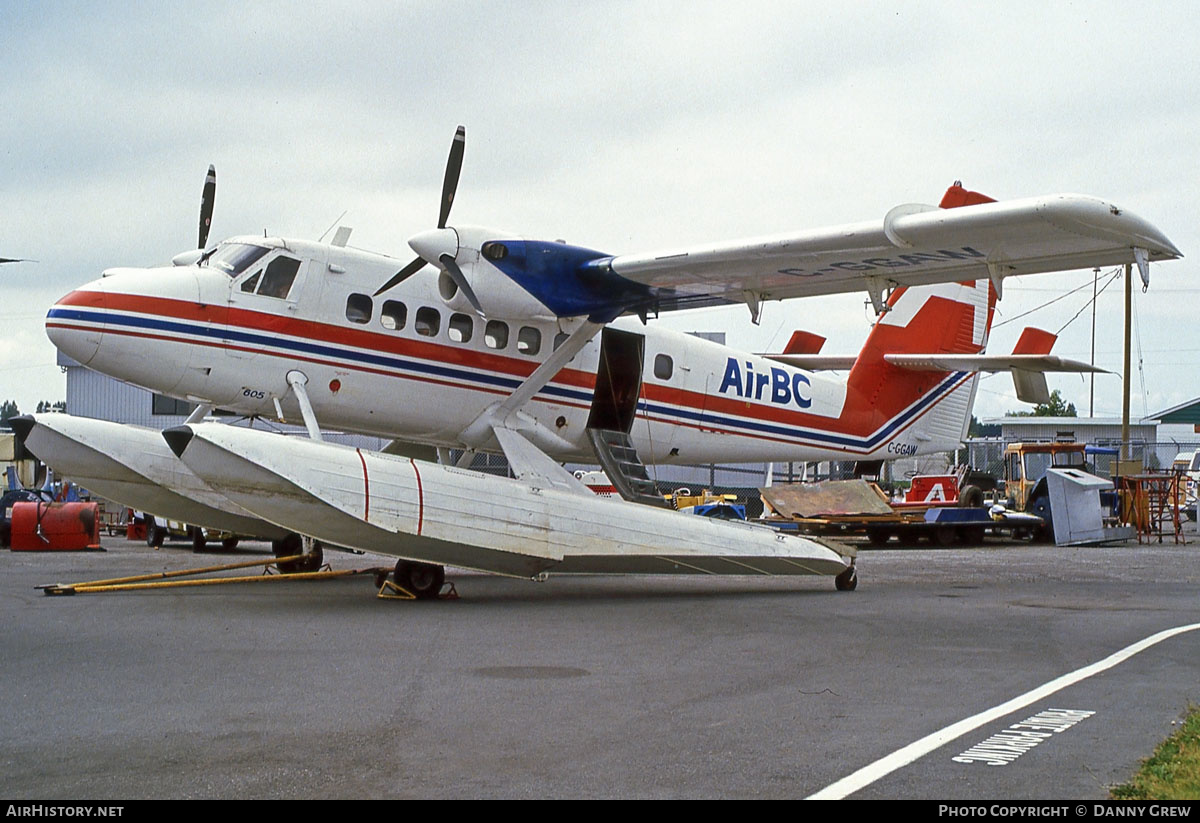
(856, 508)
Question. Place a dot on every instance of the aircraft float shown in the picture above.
(490, 341)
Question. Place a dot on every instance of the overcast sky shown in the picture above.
(624, 126)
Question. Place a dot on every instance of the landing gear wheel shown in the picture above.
(847, 581)
(154, 535)
(422, 580)
(294, 544)
(229, 544)
(199, 541)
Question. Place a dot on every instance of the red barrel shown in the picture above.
(38, 527)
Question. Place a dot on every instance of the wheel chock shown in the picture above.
(391, 591)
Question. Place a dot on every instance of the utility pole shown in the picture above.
(1126, 451)
(1092, 402)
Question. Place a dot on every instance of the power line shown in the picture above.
(1042, 306)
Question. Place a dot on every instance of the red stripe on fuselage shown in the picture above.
(859, 418)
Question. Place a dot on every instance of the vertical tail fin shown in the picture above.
(914, 410)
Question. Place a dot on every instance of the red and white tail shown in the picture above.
(922, 411)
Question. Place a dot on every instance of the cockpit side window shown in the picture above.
(251, 283)
(281, 273)
(235, 258)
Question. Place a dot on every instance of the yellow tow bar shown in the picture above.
(138, 582)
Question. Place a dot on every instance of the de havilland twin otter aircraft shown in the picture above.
(489, 341)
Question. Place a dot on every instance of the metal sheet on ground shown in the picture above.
(827, 498)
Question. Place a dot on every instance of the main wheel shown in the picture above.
(154, 535)
(423, 580)
(847, 581)
(229, 544)
(294, 544)
(199, 541)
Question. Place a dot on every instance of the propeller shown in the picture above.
(456, 275)
(207, 200)
(449, 188)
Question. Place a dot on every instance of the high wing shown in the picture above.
(968, 237)
(912, 245)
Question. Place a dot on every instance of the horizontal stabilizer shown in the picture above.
(990, 362)
(815, 362)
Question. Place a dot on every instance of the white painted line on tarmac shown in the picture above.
(902, 757)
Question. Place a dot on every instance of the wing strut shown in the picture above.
(298, 380)
(502, 414)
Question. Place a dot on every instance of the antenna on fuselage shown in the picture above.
(331, 225)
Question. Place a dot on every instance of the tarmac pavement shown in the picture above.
(595, 686)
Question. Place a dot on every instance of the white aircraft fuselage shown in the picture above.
(418, 364)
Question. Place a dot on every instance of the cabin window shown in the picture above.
(428, 322)
(461, 327)
(281, 273)
(495, 334)
(358, 308)
(664, 366)
(393, 315)
(529, 341)
(559, 339)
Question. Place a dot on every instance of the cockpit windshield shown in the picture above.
(235, 258)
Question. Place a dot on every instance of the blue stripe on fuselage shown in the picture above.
(228, 333)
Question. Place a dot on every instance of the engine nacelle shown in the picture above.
(514, 277)
(500, 297)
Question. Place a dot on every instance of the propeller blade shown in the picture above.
(453, 168)
(402, 275)
(207, 199)
(460, 280)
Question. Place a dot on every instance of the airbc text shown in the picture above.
(777, 385)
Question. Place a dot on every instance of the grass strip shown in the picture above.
(1173, 771)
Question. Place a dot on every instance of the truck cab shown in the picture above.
(1025, 464)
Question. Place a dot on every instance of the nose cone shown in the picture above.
(75, 324)
(434, 243)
